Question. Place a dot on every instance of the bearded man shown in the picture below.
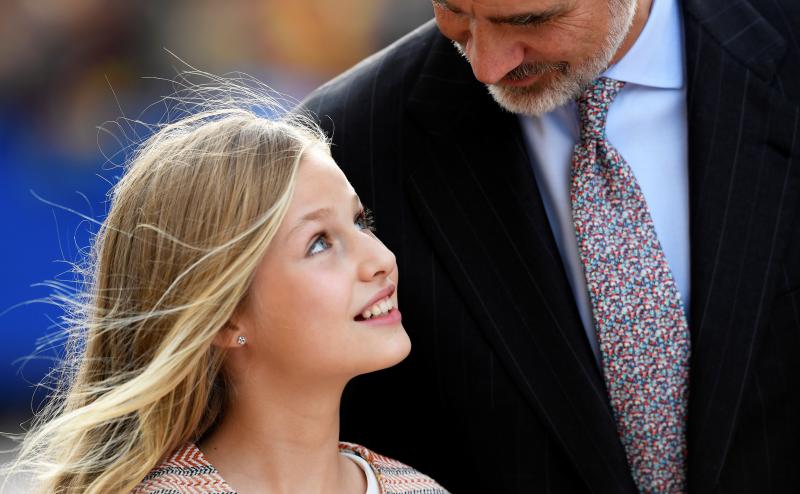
(600, 254)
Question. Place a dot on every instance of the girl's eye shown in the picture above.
(320, 244)
(364, 220)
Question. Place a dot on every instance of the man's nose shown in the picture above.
(491, 54)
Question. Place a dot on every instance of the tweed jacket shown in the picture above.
(188, 471)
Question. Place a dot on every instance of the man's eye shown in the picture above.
(364, 220)
(320, 244)
(523, 20)
(527, 20)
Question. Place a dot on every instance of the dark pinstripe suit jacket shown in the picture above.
(501, 385)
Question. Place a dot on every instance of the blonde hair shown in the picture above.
(189, 221)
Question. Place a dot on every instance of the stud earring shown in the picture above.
(241, 340)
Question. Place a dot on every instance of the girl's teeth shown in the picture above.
(379, 308)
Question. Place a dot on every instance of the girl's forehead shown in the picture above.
(321, 191)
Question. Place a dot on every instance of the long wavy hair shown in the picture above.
(188, 223)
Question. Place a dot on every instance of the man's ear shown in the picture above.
(231, 335)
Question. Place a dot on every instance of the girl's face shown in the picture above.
(304, 316)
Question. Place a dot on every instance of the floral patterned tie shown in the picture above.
(638, 313)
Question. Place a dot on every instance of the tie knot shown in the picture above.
(593, 106)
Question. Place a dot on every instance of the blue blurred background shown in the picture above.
(69, 66)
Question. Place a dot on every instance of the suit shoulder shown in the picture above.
(388, 73)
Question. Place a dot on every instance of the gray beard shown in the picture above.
(567, 81)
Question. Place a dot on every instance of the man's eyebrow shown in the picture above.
(527, 18)
(447, 5)
(521, 19)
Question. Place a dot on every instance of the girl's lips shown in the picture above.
(391, 317)
(386, 292)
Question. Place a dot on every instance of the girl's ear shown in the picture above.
(231, 335)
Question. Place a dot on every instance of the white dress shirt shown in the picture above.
(647, 124)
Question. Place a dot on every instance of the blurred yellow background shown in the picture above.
(59, 59)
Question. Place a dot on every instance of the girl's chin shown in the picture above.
(391, 352)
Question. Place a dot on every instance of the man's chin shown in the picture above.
(541, 96)
(530, 100)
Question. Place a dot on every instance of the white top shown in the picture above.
(647, 123)
(372, 480)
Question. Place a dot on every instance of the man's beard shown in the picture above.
(565, 81)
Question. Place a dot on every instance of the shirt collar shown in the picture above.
(656, 59)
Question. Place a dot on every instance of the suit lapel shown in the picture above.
(744, 181)
(477, 200)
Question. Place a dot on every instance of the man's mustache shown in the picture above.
(526, 69)
(535, 68)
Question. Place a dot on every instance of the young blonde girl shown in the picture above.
(236, 287)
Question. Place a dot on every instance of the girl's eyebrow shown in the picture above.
(318, 215)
